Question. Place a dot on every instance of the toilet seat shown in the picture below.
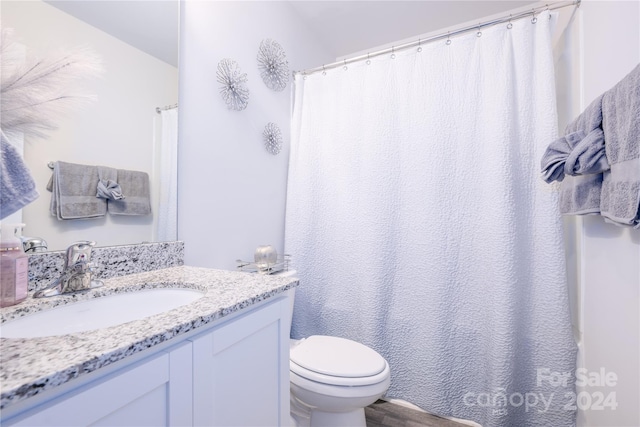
(337, 361)
(338, 381)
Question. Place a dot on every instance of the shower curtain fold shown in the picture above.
(418, 223)
(167, 226)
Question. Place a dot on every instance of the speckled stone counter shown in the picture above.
(30, 366)
(109, 261)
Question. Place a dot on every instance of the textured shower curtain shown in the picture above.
(167, 228)
(419, 225)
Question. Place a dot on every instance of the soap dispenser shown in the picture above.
(14, 266)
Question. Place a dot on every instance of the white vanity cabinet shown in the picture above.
(242, 371)
(151, 392)
(232, 373)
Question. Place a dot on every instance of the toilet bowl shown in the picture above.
(335, 378)
(332, 379)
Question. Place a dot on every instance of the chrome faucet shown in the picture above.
(77, 273)
(33, 244)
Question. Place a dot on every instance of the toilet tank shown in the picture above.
(291, 293)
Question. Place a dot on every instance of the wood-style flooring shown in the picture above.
(385, 414)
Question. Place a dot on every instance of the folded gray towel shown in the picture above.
(135, 188)
(620, 199)
(580, 194)
(108, 188)
(581, 151)
(17, 188)
(555, 157)
(73, 192)
(588, 156)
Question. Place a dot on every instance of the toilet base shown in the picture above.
(353, 418)
(330, 405)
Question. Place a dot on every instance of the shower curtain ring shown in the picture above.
(510, 25)
(368, 60)
(345, 65)
(393, 54)
(533, 17)
(479, 33)
(324, 72)
(419, 45)
(448, 42)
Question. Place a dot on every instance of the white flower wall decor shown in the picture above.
(272, 138)
(273, 65)
(233, 89)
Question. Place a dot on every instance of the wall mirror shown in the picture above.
(137, 42)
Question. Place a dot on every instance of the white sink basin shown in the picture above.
(98, 313)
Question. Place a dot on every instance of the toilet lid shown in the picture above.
(337, 357)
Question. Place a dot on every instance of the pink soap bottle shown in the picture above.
(14, 267)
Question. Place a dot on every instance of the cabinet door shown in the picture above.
(241, 370)
(152, 392)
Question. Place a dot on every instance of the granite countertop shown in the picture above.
(29, 366)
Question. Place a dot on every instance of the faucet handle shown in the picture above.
(79, 252)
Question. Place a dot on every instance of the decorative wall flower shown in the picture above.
(273, 65)
(233, 89)
(272, 138)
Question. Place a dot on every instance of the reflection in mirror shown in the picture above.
(137, 42)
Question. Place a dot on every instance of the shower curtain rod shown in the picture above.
(168, 107)
(447, 35)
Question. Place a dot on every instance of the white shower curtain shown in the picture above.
(167, 228)
(419, 225)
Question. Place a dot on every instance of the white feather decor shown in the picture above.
(36, 92)
(273, 65)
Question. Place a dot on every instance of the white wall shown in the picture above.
(117, 130)
(598, 48)
(231, 191)
(609, 255)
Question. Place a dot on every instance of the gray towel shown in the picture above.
(73, 192)
(620, 199)
(581, 151)
(17, 188)
(588, 156)
(555, 157)
(580, 195)
(108, 188)
(135, 188)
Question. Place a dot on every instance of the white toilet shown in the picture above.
(333, 379)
